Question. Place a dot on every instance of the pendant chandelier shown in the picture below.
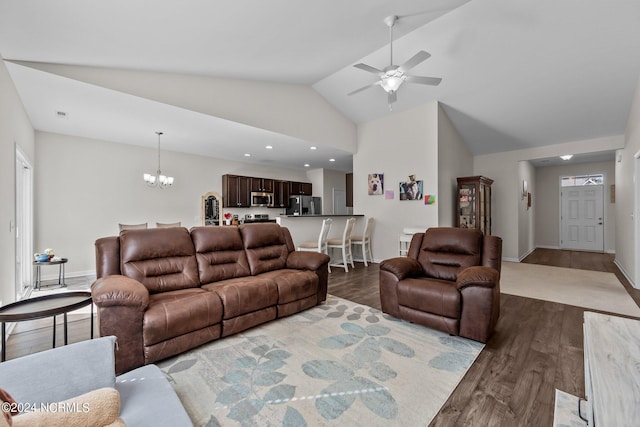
(158, 180)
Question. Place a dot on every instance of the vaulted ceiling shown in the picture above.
(516, 74)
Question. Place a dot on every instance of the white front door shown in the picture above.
(582, 218)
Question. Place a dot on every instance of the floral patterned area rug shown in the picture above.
(339, 363)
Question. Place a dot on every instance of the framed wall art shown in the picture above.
(375, 182)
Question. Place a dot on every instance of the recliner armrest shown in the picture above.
(117, 290)
(486, 277)
(402, 267)
(306, 260)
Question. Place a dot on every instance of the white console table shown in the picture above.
(612, 370)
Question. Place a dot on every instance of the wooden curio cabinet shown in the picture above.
(474, 203)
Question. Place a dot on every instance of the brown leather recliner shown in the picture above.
(450, 281)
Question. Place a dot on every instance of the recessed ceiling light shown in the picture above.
(268, 147)
(313, 147)
(332, 160)
(306, 165)
(247, 155)
(566, 157)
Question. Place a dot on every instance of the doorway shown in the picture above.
(339, 202)
(582, 213)
(24, 225)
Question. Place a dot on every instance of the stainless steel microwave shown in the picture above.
(262, 199)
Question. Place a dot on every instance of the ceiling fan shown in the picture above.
(391, 77)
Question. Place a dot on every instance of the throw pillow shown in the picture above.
(7, 410)
(98, 408)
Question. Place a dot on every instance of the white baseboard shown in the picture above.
(625, 274)
(547, 247)
(509, 259)
(526, 254)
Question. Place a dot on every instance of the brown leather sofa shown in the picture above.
(163, 291)
(449, 280)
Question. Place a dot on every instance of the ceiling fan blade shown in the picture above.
(414, 60)
(376, 83)
(433, 81)
(392, 97)
(368, 68)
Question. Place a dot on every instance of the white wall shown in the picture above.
(547, 198)
(85, 187)
(397, 145)
(294, 110)
(15, 129)
(333, 180)
(316, 177)
(454, 160)
(526, 223)
(506, 189)
(627, 179)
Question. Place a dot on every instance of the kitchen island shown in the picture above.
(306, 228)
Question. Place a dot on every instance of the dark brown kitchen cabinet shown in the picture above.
(236, 191)
(264, 185)
(474, 203)
(301, 188)
(281, 194)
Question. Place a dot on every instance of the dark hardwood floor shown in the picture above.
(537, 347)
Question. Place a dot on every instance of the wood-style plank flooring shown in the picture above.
(537, 347)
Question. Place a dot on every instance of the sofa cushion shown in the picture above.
(293, 284)
(220, 253)
(147, 399)
(434, 296)
(244, 295)
(445, 252)
(265, 246)
(175, 313)
(162, 259)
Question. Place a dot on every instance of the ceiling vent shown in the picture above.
(61, 114)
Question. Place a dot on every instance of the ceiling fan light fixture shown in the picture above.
(392, 80)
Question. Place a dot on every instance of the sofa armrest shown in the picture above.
(306, 260)
(402, 267)
(60, 373)
(486, 277)
(116, 290)
(122, 303)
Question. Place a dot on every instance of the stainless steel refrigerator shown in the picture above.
(304, 205)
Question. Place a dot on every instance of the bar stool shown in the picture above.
(365, 240)
(344, 244)
(321, 244)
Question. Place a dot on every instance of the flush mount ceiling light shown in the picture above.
(158, 180)
(566, 157)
